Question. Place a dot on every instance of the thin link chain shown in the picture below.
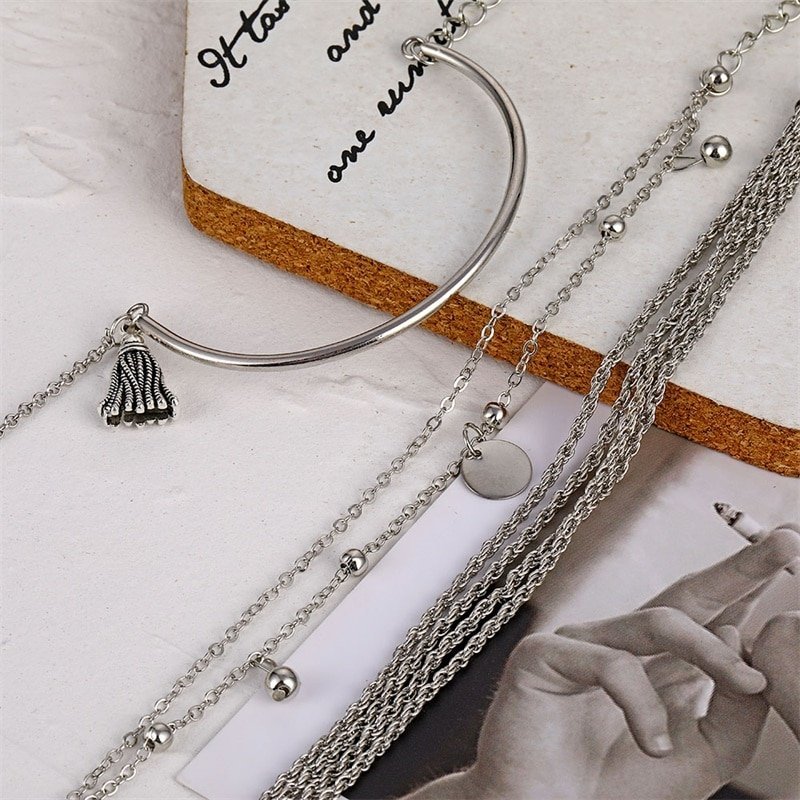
(428, 658)
(454, 28)
(66, 378)
(787, 12)
(686, 121)
(458, 25)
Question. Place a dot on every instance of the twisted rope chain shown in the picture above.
(418, 670)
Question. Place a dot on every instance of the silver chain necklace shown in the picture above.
(474, 608)
(150, 736)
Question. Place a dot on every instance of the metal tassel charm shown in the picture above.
(137, 395)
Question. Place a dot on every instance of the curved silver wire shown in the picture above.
(414, 316)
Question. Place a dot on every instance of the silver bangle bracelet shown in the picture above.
(145, 324)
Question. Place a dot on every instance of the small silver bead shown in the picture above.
(354, 561)
(281, 683)
(495, 414)
(612, 227)
(718, 80)
(716, 151)
(158, 737)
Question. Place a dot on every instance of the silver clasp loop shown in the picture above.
(137, 311)
(123, 324)
(473, 435)
(411, 50)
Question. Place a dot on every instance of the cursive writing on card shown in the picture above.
(415, 71)
(350, 156)
(257, 25)
(386, 107)
(367, 12)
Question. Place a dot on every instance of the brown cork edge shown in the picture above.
(683, 412)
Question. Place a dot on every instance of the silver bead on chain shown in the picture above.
(142, 739)
(452, 631)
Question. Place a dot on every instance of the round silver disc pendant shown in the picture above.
(503, 470)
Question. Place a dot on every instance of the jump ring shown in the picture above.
(470, 441)
(117, 327)
(440, 36)
(471, 4)
(459, 28)
(137, 311)
(778, 20)
(411, 50)
(127, 320)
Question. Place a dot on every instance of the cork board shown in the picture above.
(383, 232)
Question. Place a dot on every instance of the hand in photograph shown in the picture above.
(660, 703)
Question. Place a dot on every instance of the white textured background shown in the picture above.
(126, 552)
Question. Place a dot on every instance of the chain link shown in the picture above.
(461, 622)
(66, 378)
(453, 29)
(787, 12)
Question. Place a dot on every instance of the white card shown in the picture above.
(420, 193)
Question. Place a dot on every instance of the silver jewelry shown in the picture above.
(714, 152)
(137, 395)
(497, 470)
(158, 737)
(613, 227)
(134, 400)
(281, 682)
(150, 735)
(432, 51)
(489, 592)
(354, 562)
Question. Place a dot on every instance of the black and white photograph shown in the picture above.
(579, 697)
(399, 400)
